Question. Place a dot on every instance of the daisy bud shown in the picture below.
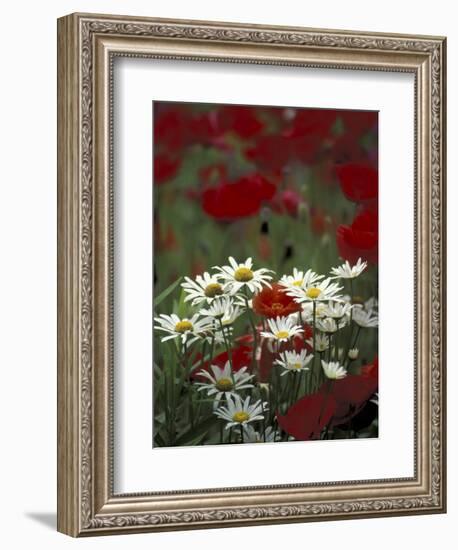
(353, 353)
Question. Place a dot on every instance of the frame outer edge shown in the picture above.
(68, 277)
(76, 421)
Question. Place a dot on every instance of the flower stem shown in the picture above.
(228, 349)
(253, 327)
(314, 344)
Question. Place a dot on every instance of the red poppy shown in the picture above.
(242, 120)
(207, 129)
(172, 128)
(300, 340)
(307, 417)
(360, 239)
(311, 122)
(352, 392)
(165, 168)
(359, 182)
(241, 357)
(288, 201)
(358, 123)
(243, 198)
(271, 152)
(274, 302)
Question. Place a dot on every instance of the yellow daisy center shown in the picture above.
(313, 292)
(183, 326)
(296, 366)
(213, 289)
(282, 334)
(298, 282)
(224, 384)
(243, 274)
(240, 416)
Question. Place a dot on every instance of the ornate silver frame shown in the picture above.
(87, 44)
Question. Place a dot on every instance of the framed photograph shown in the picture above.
(251, 284)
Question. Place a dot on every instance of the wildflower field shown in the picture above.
(265, 274)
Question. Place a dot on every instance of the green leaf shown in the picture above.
(195, 435)
(182, 305)
(163, 295)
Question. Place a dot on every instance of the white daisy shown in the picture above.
(320, 291)
(327, 325)
(333, 370)
(300, 279)
(252, 436)
(291, 361)
(240, 413)
(321, 342)
(307, 311)
(205, 288)
(223, 381)
(337, 310)
(282, 329)
(353, 353)
(242, 275)
(364, 318)
(185, 328)
(371, 304)
(215, 335)
(346, 271)
(223, 309)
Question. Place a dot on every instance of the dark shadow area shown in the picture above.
(48, 519)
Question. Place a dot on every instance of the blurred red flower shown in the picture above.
(300, 340)
(165, 168)
(207, 129)
(274, 302)
(288, 201)
(242, 120)
(360, 239)
(352, 392)
(311, 122)
(241, 357)
(242, 198)
(172, 128)
(271, 152)
(358, 123)
(359, 182)
(307, 417)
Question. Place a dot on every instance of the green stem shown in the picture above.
(228, 349)
(212, 348)
(253, 328)
(314, 344)
(204, 346)
(298, 386)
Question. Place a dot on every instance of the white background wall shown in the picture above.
(28, 274)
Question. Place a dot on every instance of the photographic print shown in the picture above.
(265, 274)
